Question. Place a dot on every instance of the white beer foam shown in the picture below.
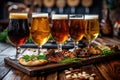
(76, 17)
(91, 16)
(59, 16)
(39, 14)
(18, 15)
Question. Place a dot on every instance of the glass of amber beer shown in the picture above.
(40, 29)
(92, 28)
(60, 29)
(18, 31)
(76, 29)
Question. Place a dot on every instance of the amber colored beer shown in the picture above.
(91, 27)
(40, 29)
(18, 29)
(60, 29)
(76, 29)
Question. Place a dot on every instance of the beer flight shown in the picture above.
(76, 26)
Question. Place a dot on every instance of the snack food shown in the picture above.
(32, 60)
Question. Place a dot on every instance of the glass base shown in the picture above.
(14, 58)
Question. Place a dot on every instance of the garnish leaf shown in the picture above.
(34, 57)
(70, 60)
(26, 57)
(107, 52)
(41, 57)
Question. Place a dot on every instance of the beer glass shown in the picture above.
(18, 31)
(40, 30)
(76, 29)
(60, 29)
(92, 28)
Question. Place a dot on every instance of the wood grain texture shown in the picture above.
(52, 76)
(3, 46)
(110, 70)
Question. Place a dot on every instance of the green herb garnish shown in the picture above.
(107, 52)
(26, 57)
(70, 60)
(34, 57)
(41, 57)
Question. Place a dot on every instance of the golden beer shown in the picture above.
(91, 27)
(40, 29)
(76, 29)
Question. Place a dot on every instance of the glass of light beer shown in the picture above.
(18, 31)
(92, 28)
(76, 29)
(60, 29)
(40, 29)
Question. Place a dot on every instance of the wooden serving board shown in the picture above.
(39, 70)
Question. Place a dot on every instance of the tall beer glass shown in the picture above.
(91, 27)
(76, 29)
(18, 30)
(60, 29)
(40, 30)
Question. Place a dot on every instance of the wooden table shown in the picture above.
(109, 70)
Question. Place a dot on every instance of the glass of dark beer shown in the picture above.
(18, 31)
(76, 29)
(60, 29)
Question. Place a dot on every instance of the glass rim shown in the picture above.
(91, 16)
(76, 16)
(59, 16)
(40, 15)
(18, 15)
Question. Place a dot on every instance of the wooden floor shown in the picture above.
(109, 70)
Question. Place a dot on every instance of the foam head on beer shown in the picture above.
(75, 16)
(39, 15)
(59, 16)
(91, 17)
(18, 16)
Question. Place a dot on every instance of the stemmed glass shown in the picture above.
(92, 28)
(76, 29)
(60, 29)
(18, 31)
(40, 30)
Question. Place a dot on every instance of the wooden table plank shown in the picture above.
(4, 71)
(3, 46)
(52, 76)
(18, 75)
(110, 70)
(10, 51)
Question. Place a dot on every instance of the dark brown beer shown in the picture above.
(60, 29)
(18, 30)
(76, 29)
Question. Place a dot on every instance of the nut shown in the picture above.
(93, 75)
(91, 78)
(68, 76)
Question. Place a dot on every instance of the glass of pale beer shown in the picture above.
(76, 28)
(92, 28)
(18, 31)
(40, 29)
(60, 29)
